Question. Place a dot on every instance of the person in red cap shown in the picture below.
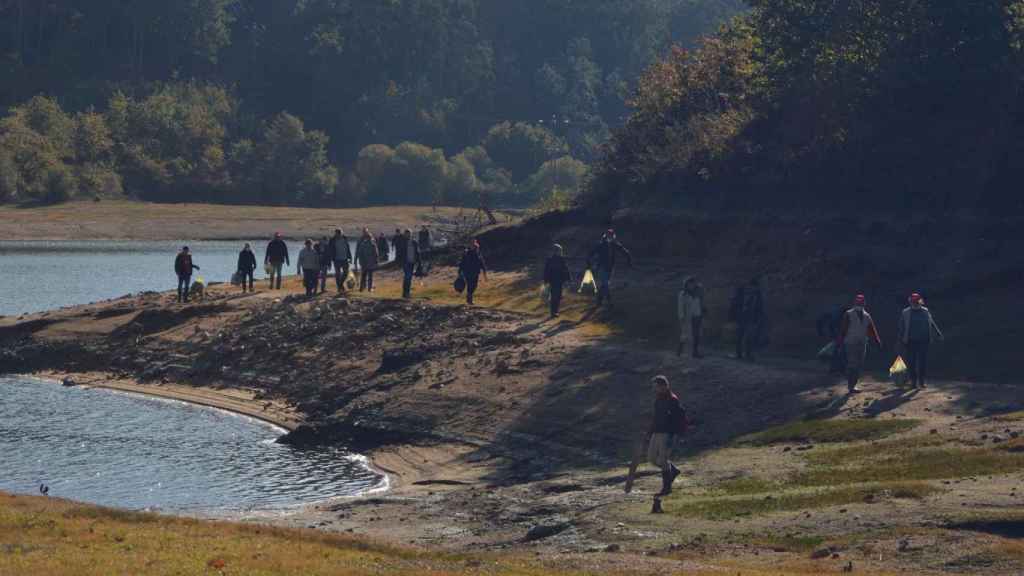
(602, 261)
(277, 257)
(917, 330)
(855, 331)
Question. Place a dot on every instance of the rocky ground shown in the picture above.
(509, 433)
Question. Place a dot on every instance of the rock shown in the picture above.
(541, 531)
(821, 553)
(393, 361)
(613, 548)
(997, 439)
(69, 382)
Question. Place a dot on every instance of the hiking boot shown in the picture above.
(673, 474)
(666, 483)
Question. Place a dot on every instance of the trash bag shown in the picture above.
(827, 352)
(236, 278)
(588, 283)
(545, 293)
(898, 371)
(350, 280)
(460, 284)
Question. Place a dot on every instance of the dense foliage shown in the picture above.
(897, 104)
(305, 101)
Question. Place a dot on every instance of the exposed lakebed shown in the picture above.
(135, 452)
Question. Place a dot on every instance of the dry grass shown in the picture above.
(145, 221)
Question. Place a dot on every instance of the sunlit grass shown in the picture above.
(826, 431)
(727, 508)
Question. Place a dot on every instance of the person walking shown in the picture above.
(828, 325)
(183, 267)
(856, 330)
(277, 257)
(917, 330)
(383, 250)
(668, 422)
(556, 275)
(309, 267)
(602, 259)
(426, 243)
(368, 258)
(340, 251)
(323, 248)
(247, 267)
(471, 266)
(407, 253)
(690, 309)
(747, 311)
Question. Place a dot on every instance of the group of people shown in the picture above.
(916, 329)
(317, 258)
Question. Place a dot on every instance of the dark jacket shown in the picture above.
(667, 414)
(402, 248)
(747, 305)
(426, 242)
(382, 247)
(246, 261)
(472, 264)
(603, 255)
(183, 264)
(366, 253)
(556, 271)
(277, 252)
(338, 249)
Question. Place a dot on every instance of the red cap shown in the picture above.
(915, 298)
(859, 300)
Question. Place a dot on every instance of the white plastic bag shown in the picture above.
(588, 283)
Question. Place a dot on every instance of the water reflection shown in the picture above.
(143, 453)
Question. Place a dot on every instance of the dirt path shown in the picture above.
(505, 432)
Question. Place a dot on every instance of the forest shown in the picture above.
(894, 106)
(324, 102)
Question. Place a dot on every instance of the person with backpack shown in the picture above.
(471, 266)
(602, 260)
(856, 330)
(747, 311)
(917, 330)
(340, 252)
(556, 275)
(407, 254)
(667, 424)
(277, 258)
(690, 309)
(368, 258)
(246, 267)
(309, 267)
(183, 267)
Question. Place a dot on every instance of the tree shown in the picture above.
(521, 148)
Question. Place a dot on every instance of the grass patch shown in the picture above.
(1010, 417)
(921, 459)
(826, 431)
(802, 544)
(727, 508)
(745, 485)
(40, 536)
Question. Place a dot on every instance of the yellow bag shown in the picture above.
(588, 282)
(898, 371)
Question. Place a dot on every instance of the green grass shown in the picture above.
(1010, 417)
(925, 458)
(828, 431)
(727, 508)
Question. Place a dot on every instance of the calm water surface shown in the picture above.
(135, 452)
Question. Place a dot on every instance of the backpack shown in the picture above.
(682, 423)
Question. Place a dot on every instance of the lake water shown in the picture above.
(136, 452)
(42, 275)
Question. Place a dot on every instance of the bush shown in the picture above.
(521, 148)
(61, 185)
